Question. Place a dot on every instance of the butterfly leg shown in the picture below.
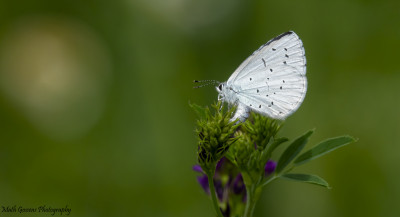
(241, 114)
(222, 105)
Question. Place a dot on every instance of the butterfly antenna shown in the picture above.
(205, 83)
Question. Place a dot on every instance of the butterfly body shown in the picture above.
(272, 81)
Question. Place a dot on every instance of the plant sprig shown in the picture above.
(248, 147)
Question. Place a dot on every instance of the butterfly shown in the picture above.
(272, 81)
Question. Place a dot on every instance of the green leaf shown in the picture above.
(230, 157)
(307, 178)
(275, 144)
(200, 111)
(292, 151)
(323, 148)
(266, 154)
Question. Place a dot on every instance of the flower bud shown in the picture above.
(270, 167)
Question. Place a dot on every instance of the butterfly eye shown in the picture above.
(220, 87)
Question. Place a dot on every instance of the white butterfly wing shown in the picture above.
(273, 79)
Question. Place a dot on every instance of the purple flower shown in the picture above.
(219, 189)
(220, 164)
(239, 188)
(226, 182)
(270, 167)
(203, 181)
(238, 185)
(198, 168)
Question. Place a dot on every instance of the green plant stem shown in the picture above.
(213, 194)
(270, 180)
(253, 193)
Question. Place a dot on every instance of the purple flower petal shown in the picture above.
(270, 167)
(220, 163)
(203, 181)
(219, 189)
(238, 185)
(198, 168)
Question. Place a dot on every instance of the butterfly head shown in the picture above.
(221, 89)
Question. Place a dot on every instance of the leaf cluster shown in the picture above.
(291, 154)
(215, 133)
(256, 142)
(250, 145)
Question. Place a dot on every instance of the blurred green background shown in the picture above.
(94, 102)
